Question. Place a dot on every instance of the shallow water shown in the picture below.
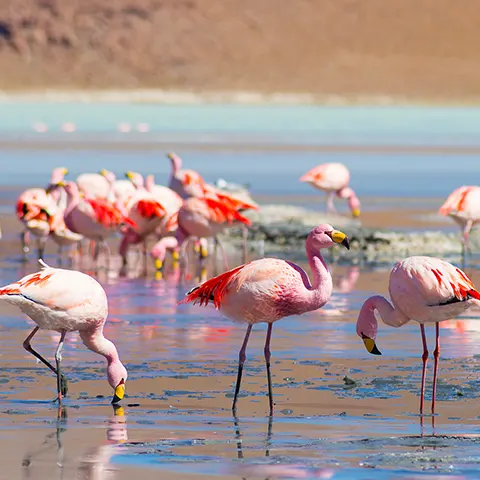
(340, 413)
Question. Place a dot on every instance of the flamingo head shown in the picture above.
(353, 201)
(367, 326)
(117, 376)
(176, 161)
(325, 236)
(109, 176)
(136, 179)
(58, 174)
(71, 188)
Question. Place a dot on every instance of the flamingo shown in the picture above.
(93, 218)
(67, 301)
(207, 217)
(187, 183)
(93, 185)
(269, 289)
(120, 190)
(424, 289)
(39, 204)
(333, 178)
(463, 206)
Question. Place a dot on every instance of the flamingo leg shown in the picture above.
(61, 381)
(224, 253)
(330, 205)
(266, 351)
(466, 233)
(28, 347)
(424, 371)
(241, 360)
(25, 239)
(436, 356)
(244, 241)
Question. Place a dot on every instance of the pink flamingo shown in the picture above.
(206, 218)
(187, 183)
(269, 289)
(424, 289)
(67, 301)
(333, 178)
(463, 206)
(34, 208)
(95, 219)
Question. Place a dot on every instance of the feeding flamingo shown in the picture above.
(269, 289)
(67, 301)
(333, 178)
(463, 206)
(424, 289)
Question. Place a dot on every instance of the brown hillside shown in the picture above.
(417, 48)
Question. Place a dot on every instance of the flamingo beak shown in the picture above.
(119, 392)
(341, 238)
(370, 346)
(129, 175)
(356, 212)
(65, 171)
(103, 172)
(158, 264)
(61, 184)
(171, 156)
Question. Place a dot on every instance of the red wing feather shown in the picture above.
(150, 209)
(222, 212)
(213, 290)
(464, 287)
(107, 214)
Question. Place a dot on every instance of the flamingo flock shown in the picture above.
(423, 289)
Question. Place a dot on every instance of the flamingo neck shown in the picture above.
(73, 200)
(96, 342)
(319, 292)
(367, 323)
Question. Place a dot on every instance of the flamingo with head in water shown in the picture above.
(333, 178)
(67, 301)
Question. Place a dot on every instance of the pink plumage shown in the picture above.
(269, 289)
(424, 289)
(66, 301)
(463, 206)
(333, 178)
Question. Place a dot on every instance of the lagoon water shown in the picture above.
(340, 413)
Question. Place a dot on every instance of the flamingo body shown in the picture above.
(333, 178)
(424, 289)
(66, 301)
(463, 206)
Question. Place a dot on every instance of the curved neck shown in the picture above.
(317, 294)
(367, 323)
(73, 199)
(96, 342)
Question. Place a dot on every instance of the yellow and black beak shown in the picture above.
(356, 212)
(65, 171)
(370, 345)
(129, 175)
(341, 238)
(119, 392)
(61, 184)
(103, 172)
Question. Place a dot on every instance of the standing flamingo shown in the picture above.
(93, 218)
(269, 289)
(67, 301)
(463, 206)
(424, 289)
(333, 178)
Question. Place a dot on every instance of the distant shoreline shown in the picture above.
(184, 97)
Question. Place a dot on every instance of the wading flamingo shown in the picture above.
(269, 289)
(93, 218)
(424, 289)
(206, 218)
(333, 178)
(463, 206)
(67, 301)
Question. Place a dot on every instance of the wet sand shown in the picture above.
(340, 413)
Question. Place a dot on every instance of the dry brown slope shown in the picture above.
(418, 48)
